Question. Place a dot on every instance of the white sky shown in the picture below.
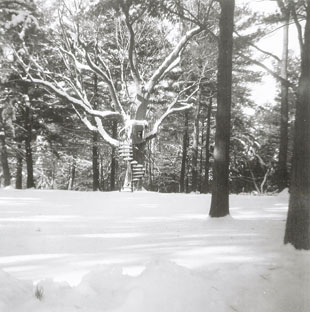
(266, 91)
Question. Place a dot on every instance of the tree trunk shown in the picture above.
(184, 153)
(220, 191)
(195, 146)
(72, 175)
(201, 159)
(4, 159)
(28, 139)
(139, 156)
(207, 163)
(101, 174)
(298, 220)
(113, 157)
(282, 176)
(95, 148)
(95, 162)
(19, 167)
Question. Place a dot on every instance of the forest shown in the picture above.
(125, 95)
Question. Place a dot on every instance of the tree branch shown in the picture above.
(171, 109)
(271, 72)
(259, 49)
(131, 49)
(170, 59)
(298, 26)
(109, 82)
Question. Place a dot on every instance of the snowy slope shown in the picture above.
(147, 252)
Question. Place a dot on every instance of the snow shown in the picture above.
(74, 251)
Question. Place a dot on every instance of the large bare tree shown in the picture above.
(131, 86)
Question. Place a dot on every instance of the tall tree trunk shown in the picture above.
(201, 159)
(208, 132)
(72, 175)
(19, 167)
(195, 145)
(102, 185)
(184, 153)
(95, 162)
(28, 139)
(95, 145)
(113, 157)
(282, 176)
(220, 191)
(298, 220)
(4, 159)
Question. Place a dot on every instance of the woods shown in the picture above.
(172, 80)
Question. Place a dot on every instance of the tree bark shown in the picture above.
(72, 175)
(28, 139)
(19, 167)
(184, 153)
(220, 191)
(282, 175)
(4, 159)
(95, 148)
(113, 157)
(102, 184)
(95, 162)
(195, 145)
(207, 163)
(297, 230)
(201, 159)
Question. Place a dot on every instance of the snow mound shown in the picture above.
(284, 194)
(166, 287)
(162, 286)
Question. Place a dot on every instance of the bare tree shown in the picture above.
(130, 103)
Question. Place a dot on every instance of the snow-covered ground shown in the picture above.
(90, 252)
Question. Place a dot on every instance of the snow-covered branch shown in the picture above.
(58, 90)
(105, 135)
(171, 58)
(184, 105)
(109, 82)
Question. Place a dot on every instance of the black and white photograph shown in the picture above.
(154, 155)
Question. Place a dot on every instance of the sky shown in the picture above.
(265, 92)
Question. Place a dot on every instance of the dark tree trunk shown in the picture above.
(72, 175)
(28, 139)
(113, 157)
(4, 159)
(195, 146)
(220, 191)
(207, 163)
(102, 185)
(282, 176)
(201, 159)
(95, 157)
(298, 220)
(19, 168)
(184, 153)
(95, 145)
